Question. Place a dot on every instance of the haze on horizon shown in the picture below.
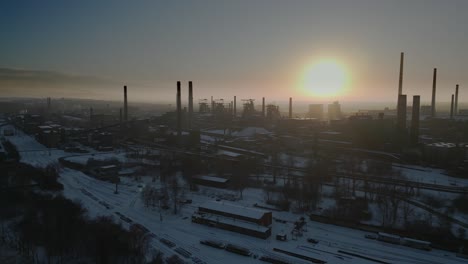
(251, 49)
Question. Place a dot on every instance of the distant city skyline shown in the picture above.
(250, 49)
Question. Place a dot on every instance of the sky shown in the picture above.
(248, 48)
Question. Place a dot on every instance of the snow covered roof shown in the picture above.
(211, 178)
(442, 145)
(237, 223)
(229, 153)
(234, 209)
(250, 132)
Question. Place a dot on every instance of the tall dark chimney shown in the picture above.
(179, 111)
(190, 107)
(433, 102)
(290, 107)
(455, 110)
(235, 109)
(401, 112)
(263, 106)
(125, 104)
(212, 105)
(451, 107)
(400, 82)
(415, 120)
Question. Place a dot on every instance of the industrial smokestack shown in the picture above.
(235, 109)
(263, 106)
(400, 82)
(415, 120)
(451, 107)
(179, 111)
(212, 105)
(290, 107)
(455, 110)
(433, 102)
(190, 109)
(401, 112)
(125, 104)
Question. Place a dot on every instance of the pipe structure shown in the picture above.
(190, 109)
(179, 111)
(433, 101)
(290, 107)
(235, 109)
(400, 82)
(263, 106)
(401, 114)
(414, 135)
(451, 107)
(125, 104)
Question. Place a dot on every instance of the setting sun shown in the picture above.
(324, 78)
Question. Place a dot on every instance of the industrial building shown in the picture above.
(247, 221)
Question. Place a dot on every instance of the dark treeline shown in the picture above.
(48, 228)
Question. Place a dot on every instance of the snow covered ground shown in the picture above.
(99, 198)
(431, 175)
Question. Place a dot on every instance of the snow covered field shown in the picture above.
(99, 198)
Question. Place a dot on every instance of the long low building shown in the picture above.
(232, 224)
(253, 215)
(212, 181)
(243, 220)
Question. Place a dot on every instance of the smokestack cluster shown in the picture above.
(125, 104)
(290, 107)
(190, 110)
(434, 81)
(179, 111)
(414, 134)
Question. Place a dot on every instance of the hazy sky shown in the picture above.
(248, 48)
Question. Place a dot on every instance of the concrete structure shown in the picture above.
(400, 82)
(190, 110)
(211, 181)
(235, 106)
(315, 111)
(433, 101)
(179, 111)
(451, 107)
(125, 104)
(253, 215)
(414, 135)
(334, 111)
(243, 220)
(263, 106)
(401, 112)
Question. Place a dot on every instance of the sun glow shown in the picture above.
(324, 78)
